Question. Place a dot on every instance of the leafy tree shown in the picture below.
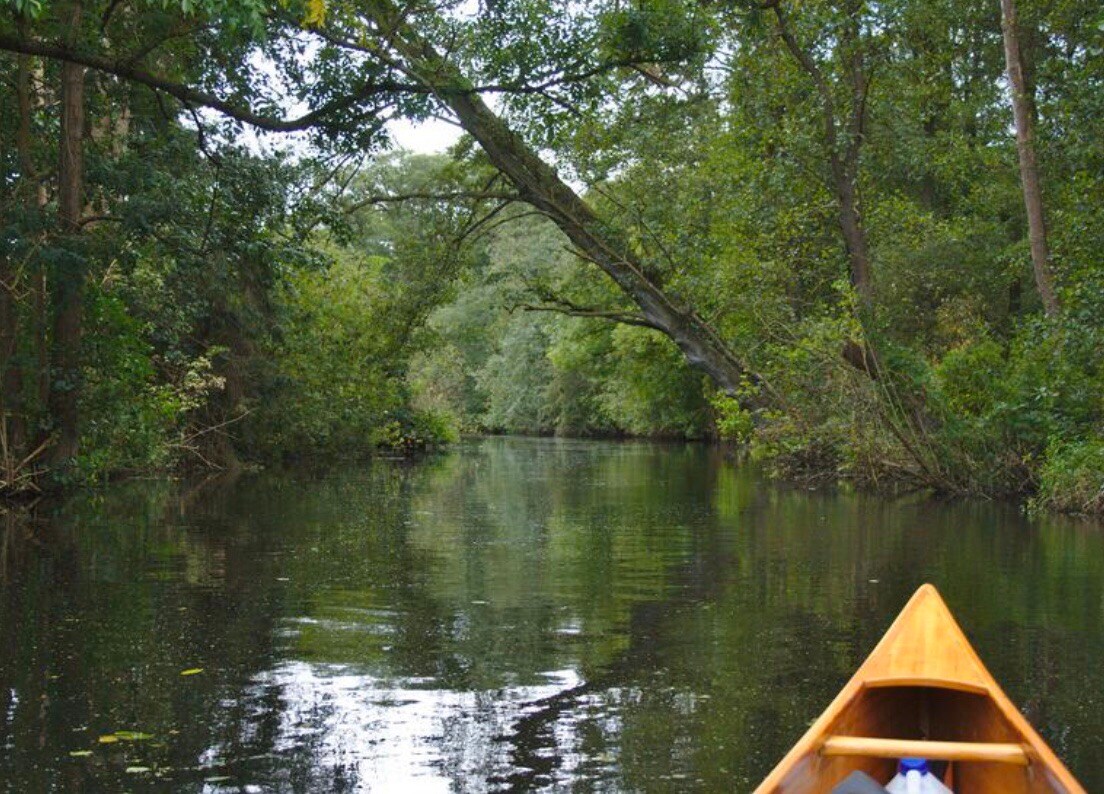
(816, 203)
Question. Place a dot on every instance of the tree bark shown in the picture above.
(854, 240)
(12, 400)
(1029, 169)
(11, 379)
(539, 185)
(68, 292)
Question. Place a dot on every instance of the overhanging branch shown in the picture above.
(447, 196)
(566, 307)
(126, 70)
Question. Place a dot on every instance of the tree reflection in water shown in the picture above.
(516, 614)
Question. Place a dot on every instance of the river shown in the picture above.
(514, 614)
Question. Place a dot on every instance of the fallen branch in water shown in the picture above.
(19, 476)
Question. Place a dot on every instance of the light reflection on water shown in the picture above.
(397, 734)
(515, 615)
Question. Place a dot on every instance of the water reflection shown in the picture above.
(515, 615)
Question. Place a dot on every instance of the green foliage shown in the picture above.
(512, 369)
(333, 372)
(413, 431)
(515, 379)
(652, 390)
(197, 348)
(336, 385)
(734, 421)
(129, 416)
(662, 30)
(1002, 405)
(1072, 477)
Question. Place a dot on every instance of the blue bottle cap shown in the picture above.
(907, 765)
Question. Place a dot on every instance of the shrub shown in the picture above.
(1072, 477)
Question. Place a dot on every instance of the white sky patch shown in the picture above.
(427, 137)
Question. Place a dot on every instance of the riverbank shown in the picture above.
(1071, 490)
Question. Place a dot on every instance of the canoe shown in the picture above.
(923, 692)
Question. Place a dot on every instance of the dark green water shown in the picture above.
(517, 614)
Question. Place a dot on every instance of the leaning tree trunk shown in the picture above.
(843, 167)
(1029, 169)
(538, 184)
(68, 288)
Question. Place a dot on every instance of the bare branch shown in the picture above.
(455, 195)
(617, 317)
(488, 224)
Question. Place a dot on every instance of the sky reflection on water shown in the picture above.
(515, 615)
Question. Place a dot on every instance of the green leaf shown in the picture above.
(133, 736)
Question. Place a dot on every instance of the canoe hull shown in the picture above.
(923, 689)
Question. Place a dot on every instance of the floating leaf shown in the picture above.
(80, 753)
(137, 770)
(192, 671)
(217, 779)
(109, 739)
(133, 736)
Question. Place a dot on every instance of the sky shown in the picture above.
(428, 137)
(433, 136)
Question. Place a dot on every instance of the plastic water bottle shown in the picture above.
(914, 777)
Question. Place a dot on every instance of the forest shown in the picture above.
(859, 240)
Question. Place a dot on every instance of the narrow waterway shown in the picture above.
(512, 615)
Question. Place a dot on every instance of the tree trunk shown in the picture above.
(11, 379)
(1029, 169)
(538, 184)
(68, 290)
(842, 155)
(11, 373)
(846, 160)
(42, 335)
(854, 240)
(40, 321)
